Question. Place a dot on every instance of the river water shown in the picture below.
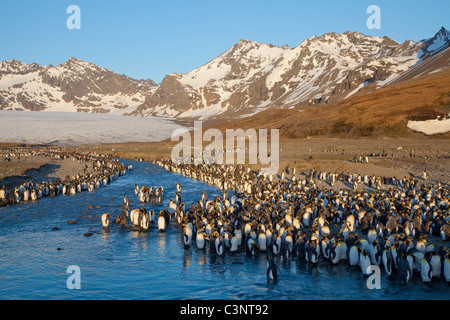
(37, 245)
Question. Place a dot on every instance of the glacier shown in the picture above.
(74, 129)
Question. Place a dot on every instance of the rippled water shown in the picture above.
(127, 264)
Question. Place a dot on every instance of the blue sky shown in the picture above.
(150, 39)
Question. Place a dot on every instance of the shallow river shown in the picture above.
(127, 264)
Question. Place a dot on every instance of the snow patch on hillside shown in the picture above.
(430, 127)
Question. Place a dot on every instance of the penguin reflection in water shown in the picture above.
(272, 269)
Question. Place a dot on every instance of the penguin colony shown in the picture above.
(294, 219)
(105, 170)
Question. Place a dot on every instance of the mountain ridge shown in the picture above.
(245, 79)
(322, 69)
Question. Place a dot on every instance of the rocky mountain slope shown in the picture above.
(244, 80)
(387, 112)
(74, 85)
(250, 76)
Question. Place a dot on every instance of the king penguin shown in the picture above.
(364, 262)
(187, 235)
(234, 243)
(145, 221)
(425, 269)
(105, 220)
(447, 268)
(353, 255)
(276, 243)
(219, 243)
(161, 221)
(445, 232)
(403, 272)
(262, 241)
(435, 264)
(122, 219)
(272, 269)
(312, 251)
(201, 239)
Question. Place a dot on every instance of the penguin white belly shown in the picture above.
(208, 229)
(364, 244)
(105, 220)
(247, 228)
(373, 255)
(268, 236)
(325, 230)
(372, 236)
(152, 216)
(425, 271)
(410, 260)
(297, 224)
(305, 219)
(262, 242)
(26, 195)
(289, 243)
(145, 222)
(394, 257)
(134, 214)
(354, 256)
(421, 247)
(364, 262)
(161, 223)
(435, 264)
(445, 232)
(234, 244)
(276, 247)
(447, 270)
(219, 246)
(418, 256)
(200, 241)
(325, 250)
(142, 196)
(341, 251)
(315, 256)
(312, 253)
(187, 234)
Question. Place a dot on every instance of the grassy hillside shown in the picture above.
(381, 113)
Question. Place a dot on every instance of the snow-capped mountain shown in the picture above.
(247, 78)
(250, 76)
(74, 85)
(438, 43)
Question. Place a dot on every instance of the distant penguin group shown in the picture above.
(105, 170)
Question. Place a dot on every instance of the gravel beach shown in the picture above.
(37, 168)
